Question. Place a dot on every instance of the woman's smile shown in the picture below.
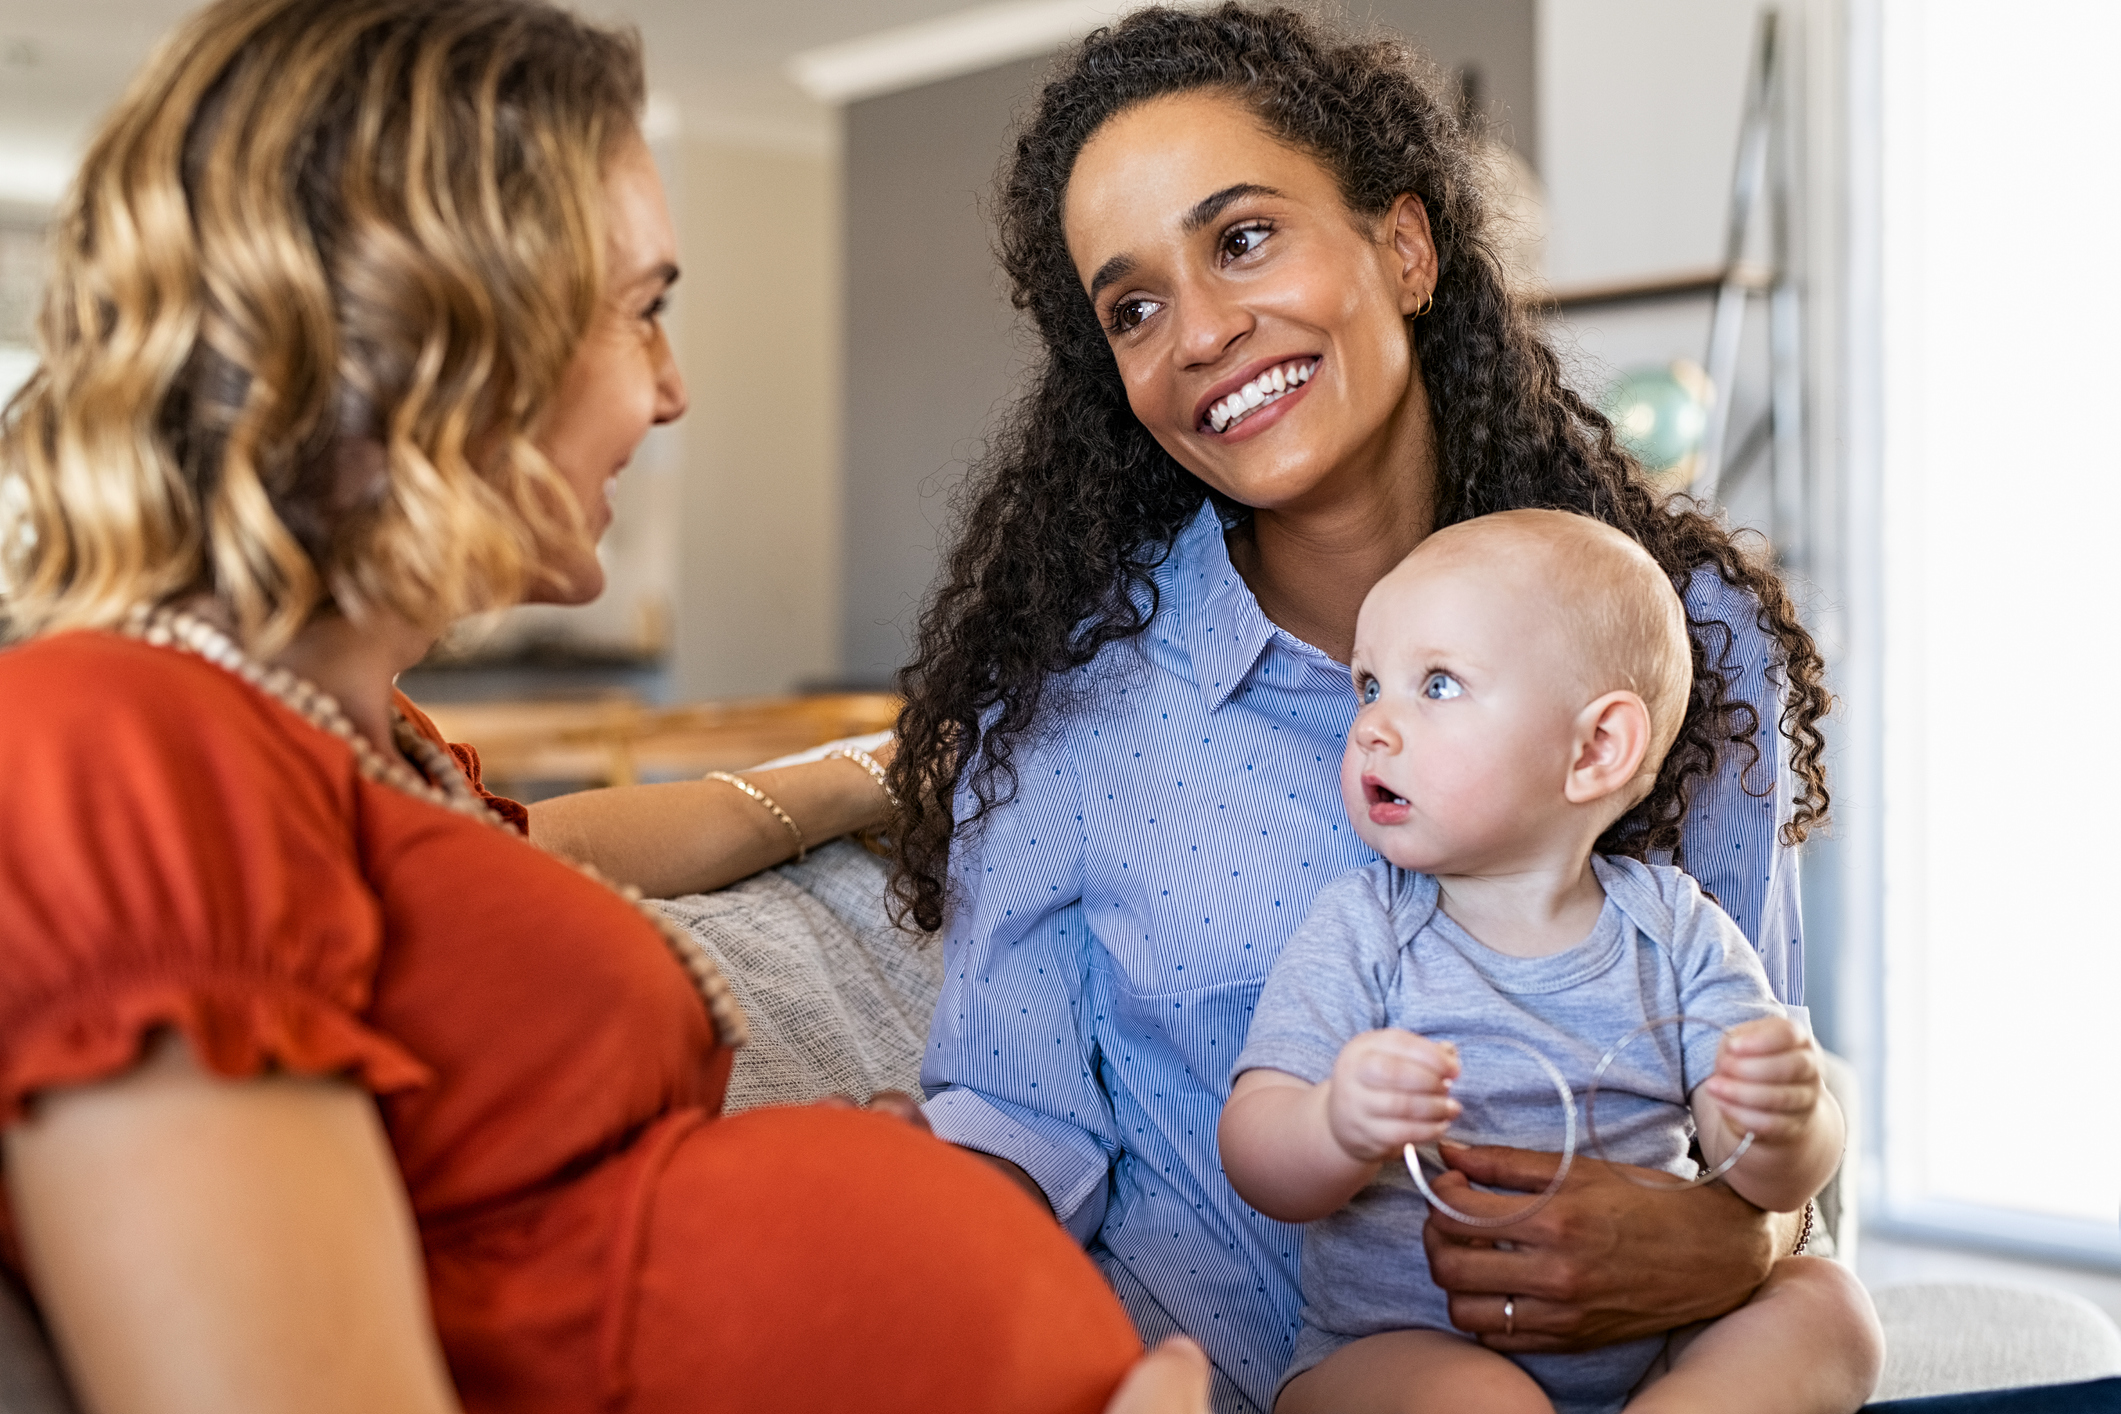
(1228, 409)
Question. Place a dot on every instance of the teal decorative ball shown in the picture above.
(1659, 414)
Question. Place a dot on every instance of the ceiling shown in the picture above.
(719, 65)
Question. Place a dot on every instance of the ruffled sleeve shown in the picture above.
(176, 850)
(467, 758)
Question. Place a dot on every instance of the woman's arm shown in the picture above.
(1731, 834)
(689, 837)
(200, 1244)
(1016, 967)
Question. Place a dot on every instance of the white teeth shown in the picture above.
(1264, 389)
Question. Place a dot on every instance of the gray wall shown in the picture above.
(932, 350)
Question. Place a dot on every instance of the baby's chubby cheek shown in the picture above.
(1356, 801)
(1351, 794)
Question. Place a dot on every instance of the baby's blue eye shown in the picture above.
(1440, 687)
(1369, 690)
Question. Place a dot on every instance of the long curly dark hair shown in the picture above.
(1065, 520)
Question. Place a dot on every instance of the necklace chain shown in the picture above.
(437, 779)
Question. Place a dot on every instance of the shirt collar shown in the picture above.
(1213, 615)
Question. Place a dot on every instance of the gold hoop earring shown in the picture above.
(1428, 302)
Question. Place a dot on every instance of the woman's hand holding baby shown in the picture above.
(1390, 1089)
(1691, 1253)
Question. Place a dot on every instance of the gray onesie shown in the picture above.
(1376, 951)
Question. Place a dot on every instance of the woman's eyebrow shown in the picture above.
(1210, 207)
(659, 276)
(1118, 268)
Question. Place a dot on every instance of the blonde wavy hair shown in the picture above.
(321, 269)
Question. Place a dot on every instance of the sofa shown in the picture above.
(839, 1001)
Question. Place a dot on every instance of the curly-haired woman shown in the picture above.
(1278, 352)
(321, 1088)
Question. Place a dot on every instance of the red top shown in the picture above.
(178, 849)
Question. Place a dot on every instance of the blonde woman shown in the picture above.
(321, 1087)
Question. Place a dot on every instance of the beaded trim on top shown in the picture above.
(437, 781)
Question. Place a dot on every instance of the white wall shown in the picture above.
(17, 362)
(21, 281)
(758, 336)
(1638, 120)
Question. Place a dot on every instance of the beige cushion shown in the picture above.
(1949, 1338)
(838, 1000)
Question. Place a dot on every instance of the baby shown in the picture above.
(1522, 676)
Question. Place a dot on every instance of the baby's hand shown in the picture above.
(1767, 1079)
(1390, 1089)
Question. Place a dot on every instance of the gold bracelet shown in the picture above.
(766, 800)
(868, 763)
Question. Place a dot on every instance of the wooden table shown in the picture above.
(618, 740)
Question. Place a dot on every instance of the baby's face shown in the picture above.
(1459, 754)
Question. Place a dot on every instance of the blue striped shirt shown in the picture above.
(1111, 927)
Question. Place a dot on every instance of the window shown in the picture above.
(1995, 619)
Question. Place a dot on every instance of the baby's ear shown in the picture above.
(1612, 738)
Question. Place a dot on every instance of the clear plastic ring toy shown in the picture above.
(1568, 1146)
(1590, 1115)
